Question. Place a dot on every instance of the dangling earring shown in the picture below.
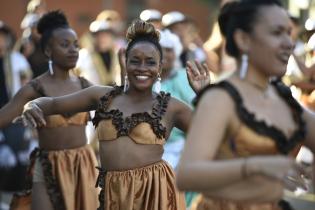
(157, 85)
(126, 83)
(244, 66)
(50, 66)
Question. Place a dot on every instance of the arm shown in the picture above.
(15, 106)
(309, 118)
(182, 114)
(84, 100)
(199, 171)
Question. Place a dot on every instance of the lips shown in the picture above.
(284, 57)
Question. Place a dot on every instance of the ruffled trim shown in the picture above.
(124, 126)
(284, 144)
(100, 182)
(50, 182)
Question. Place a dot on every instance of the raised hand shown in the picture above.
(32, 115)
(198, 75)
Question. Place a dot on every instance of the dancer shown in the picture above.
(64, 170)
(132, 124)
(247, 129)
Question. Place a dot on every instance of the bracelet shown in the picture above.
(244, 172)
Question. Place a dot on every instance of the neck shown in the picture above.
(60, 74)
(139, 95)
(257, 78)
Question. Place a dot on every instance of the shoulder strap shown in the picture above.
(159, 108)
(37, 86)
(225, 85)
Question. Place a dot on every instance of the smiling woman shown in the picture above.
(132, 126)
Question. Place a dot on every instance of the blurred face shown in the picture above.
(168, 59)
(64, 48)
(183, 30)
(270, 41)
(143, 65)
(104, 41)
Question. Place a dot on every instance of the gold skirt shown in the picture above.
(148, 188)
(70, 176)
(203, 203)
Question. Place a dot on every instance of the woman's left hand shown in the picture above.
(198, 75)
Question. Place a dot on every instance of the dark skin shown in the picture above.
(143, 63)
(216, 121)
(62, 48)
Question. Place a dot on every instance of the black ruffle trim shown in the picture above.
(124, 126)
(284, 144)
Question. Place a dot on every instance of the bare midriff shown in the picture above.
(124, 154)
(60, 138)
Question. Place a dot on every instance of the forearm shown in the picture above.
(46, 104)
(8, 113)
(210, 175)
(254, 189)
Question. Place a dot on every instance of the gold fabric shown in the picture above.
(148, 188)
(53, 121)
(141, 134)
(246, 143)
(211, 204)
(76, 175)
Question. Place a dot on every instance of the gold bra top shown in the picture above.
(58, 120)
(142, 128)
(256, 137)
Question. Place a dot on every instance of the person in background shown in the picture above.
(16, 142)
(152, 16)
(64, 171)
(247, 129)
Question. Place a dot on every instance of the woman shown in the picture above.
(132, 124)
(64, 171)
(246, 130)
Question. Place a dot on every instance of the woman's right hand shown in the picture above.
(279, 167)
(33, 115)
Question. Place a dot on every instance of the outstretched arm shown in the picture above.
(15, 106)
(84, 100)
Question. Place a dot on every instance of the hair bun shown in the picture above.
(52, 20)
(140, 28)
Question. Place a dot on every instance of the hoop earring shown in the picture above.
(157, 85)
(50, 66)
(244, 66)
(126, 83)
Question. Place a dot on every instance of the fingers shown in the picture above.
(191, 67)
(33, 115)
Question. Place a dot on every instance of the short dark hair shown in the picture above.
(240, 15)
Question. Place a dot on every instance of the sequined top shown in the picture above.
(142, 128)
(58, 120)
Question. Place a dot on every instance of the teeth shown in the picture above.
(142, 77)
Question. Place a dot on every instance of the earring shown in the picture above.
(50, 66)
(244, 66)
(157, 85)
(126, 83)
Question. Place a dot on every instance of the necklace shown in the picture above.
(263, 90)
